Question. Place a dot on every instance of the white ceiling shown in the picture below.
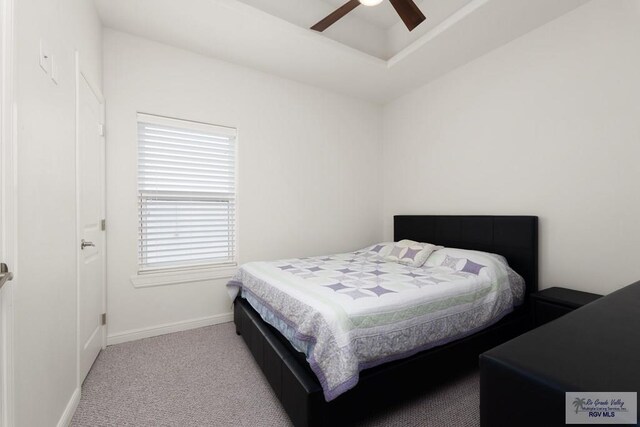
(360, 56)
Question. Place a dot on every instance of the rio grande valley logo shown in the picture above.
(601, 408)
(579, 403)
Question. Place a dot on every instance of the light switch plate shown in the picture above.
(45, 58)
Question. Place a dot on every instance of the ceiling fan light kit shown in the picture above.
(408, 11)
(370, 2)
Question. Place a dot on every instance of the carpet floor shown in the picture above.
(207, 377)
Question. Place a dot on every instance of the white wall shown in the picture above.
(45, 295)
(308, 170)
(547, 125)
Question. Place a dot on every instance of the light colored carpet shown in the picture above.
(207, 377)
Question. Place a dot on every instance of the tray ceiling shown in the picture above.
(375, 30)
(369, 55)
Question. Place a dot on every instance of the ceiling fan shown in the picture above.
(407, 9)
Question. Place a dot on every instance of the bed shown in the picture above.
(290, 314)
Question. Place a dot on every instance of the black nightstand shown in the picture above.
(551, 303)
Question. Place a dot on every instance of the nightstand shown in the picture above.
(551, 303)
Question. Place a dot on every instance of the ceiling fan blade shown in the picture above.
(409, 13)
(335, 15)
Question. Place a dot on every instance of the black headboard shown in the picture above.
(514, 237)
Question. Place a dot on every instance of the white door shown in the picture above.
(7, 208)
(91, 240)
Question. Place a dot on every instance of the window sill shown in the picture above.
(176, 277)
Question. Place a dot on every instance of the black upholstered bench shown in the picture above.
(595, 348)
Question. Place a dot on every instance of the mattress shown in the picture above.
(353, 311)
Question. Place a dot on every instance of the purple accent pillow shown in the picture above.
(472, 267)
(408, 252)
(411, 254)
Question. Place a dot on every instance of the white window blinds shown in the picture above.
(186, 190)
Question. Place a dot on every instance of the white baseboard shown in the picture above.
(67, 415)
(167, 328)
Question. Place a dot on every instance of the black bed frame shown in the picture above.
(296, 386)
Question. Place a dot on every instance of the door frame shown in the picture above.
(81, 75)
(8, 206)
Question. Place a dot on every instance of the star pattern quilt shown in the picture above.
(352, 311)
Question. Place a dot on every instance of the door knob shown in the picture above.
(5, 274)
(84, 244)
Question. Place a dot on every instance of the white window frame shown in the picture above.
(197, 272)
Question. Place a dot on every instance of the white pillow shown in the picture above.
(410, 253)
(465, 260)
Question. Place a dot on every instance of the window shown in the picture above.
(186, 192)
